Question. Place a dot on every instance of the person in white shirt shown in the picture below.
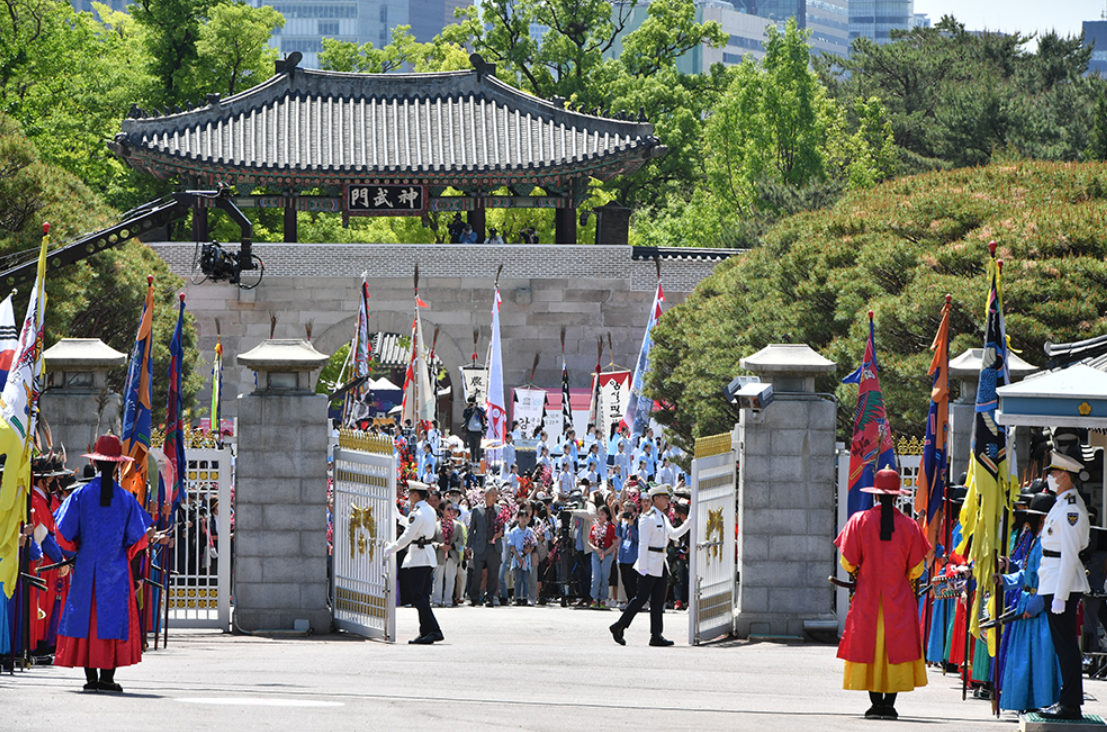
(508, 454)
(1062, 580)
(566, 481)
(421, 559)
(667, 473)
(654, 534)
(544, 458)
(434, 437)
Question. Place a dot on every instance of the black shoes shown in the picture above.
(109, 686)
(1060, 711)
(881, 712)
(617, 633)
(658, 640)
(428, 639)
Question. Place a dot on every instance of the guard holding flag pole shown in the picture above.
(1062, 581)
(882, 641)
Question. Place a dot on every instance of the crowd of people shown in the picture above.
(563, 532)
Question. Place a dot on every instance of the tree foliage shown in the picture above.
(102, 296)
(896, 249)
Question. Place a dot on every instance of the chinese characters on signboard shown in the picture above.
(385, 200)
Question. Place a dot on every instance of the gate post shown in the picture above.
(78, 402)
(786, 492)
(281, 492)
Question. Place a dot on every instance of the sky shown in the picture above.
(1024, 16)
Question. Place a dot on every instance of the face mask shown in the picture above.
(1052, 482)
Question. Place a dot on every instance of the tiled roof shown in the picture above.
(389, 352)
(302, 125)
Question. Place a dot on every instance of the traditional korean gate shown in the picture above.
(711, 562)
(200, 594)
(363, 597)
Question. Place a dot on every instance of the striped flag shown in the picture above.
(17, 423)
(174, 418)
(931, 481)
(9, 338)
(566, 407)
(138, 399)
(872, 448)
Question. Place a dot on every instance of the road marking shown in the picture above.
(253, 701)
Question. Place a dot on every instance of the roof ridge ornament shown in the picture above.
(288, 64)
(482, 67)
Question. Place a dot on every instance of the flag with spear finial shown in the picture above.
(637, 416)
(17, 423)
(495, 408)
(872, 448)
(418, 404)
(138, 395)
(931, 482)
(566, 407)
(992, 471)
(174, 420)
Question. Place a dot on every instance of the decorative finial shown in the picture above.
(949, 299)
(181, 296)
(870, 315)
(992, 247)
(149, 279)
(999, 263)
(46, 227)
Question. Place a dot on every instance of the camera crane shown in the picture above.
(214, 261)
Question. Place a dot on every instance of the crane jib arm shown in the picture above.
(135, 223)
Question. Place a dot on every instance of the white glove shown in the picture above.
(390, 549)
(1058, 606)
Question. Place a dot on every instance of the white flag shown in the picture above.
(494, 407)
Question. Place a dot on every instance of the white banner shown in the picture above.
(530, 405)
(474, 382)
(555, 422)
(614, 395)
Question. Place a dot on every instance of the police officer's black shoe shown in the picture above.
(659, 640)
(1060, 711)
(423, 640)
(873, 712)
(617, 633)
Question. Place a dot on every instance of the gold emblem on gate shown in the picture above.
(714, 525)
(362, 523)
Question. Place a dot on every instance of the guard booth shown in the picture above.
(712, 557)
(363, 581)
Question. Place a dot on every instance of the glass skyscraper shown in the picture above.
(876, 19)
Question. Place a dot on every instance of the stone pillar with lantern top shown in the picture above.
(77, 403)
(962, 410)
(281, 492)
(786, 497)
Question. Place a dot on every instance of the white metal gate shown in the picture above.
(711, 561)
(200, 593)
(363, 597)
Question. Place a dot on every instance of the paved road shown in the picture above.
(502, 668)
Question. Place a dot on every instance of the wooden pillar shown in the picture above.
(290, 235)
(199, 224)
(565, 226)
(476, 220)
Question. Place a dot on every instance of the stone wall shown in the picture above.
(592, 290)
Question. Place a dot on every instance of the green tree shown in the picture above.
(102, 296)
(896, 249)
(232, 51)
(172, 30)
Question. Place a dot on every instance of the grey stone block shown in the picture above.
(289, 570)
(265, 595)
(790, 441)
(784, 521)
(282, 516)
(755, 547)
(753, 600)
(755, 494)
(272, 543)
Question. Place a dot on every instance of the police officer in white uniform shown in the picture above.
(421, 559)
(1062, 580)
(654, 534)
